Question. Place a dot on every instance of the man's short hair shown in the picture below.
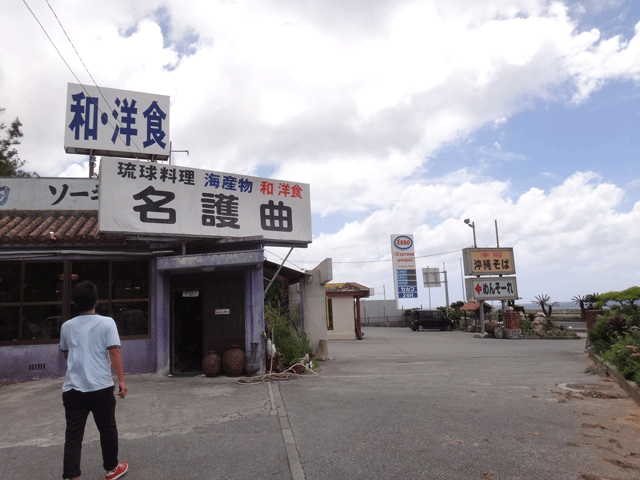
(85, 296)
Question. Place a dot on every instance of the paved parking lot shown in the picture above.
(396, 405)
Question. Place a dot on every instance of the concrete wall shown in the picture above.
(343, 319)
(308, 299)
(380, 312)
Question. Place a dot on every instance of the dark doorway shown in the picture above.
(207, 316)
(187, 331)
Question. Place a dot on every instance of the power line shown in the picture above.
(73, 73)
(365, 261)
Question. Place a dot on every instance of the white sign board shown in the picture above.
(491, 288)
(431, 277)
(404, 266)
(121, 123)
(148, 198)
(48, 193)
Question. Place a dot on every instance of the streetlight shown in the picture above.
(472, 225)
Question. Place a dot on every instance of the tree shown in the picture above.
(624, 297)
(544, 301)
(10, 163)
(580, 300)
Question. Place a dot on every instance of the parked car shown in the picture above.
(423, 319)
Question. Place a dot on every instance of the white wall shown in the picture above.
(343, 319)
(313, 309)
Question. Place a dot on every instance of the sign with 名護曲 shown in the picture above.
(120, 123)
(148, 198)
(488, 261)
(491, 288)
(404, 266)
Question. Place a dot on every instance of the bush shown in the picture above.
(601, 335)
(525, 326)
(290, 343)
(625, 356)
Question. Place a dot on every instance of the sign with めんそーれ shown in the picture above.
(488, 261)
(491, 288)
(140, 197)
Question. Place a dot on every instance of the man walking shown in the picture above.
(91, 344)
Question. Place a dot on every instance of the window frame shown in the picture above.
(66, 304)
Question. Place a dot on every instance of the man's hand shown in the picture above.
(116, 361)
(122, 389)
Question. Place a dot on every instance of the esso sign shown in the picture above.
(403, 242)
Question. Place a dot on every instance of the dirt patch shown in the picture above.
(609, 441)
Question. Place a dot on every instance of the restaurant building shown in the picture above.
(173, 297)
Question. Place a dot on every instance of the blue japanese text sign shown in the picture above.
(116, 123)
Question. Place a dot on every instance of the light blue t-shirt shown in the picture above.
(88, 339)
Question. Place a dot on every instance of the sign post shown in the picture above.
(404, 267)
(483, 262)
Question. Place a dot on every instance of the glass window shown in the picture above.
(9, 282)
(9, 323)
(131, 318)
(130, 280)
(96, 272)
(43, 281)
(41, 322)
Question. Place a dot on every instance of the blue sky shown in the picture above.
(405, 117)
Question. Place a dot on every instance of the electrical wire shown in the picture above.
(362, 261)
(135, 155)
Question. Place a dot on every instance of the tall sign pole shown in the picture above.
(404, 267)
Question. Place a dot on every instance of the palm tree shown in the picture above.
(544, 301)
(580, 300)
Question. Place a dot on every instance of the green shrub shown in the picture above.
(290, 343)
(525, 326)
(625, 356)
(601, 335)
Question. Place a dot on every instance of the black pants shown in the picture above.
(77, 405)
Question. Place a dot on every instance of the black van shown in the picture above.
(423, 319)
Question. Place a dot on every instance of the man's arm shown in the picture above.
(116, 361)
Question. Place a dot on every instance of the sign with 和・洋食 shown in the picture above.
(488, 261)
(140, 197)
(120, 123)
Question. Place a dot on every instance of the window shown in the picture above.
(35, 297)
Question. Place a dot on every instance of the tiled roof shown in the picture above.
(347, 289)
(36, 227)
(471, 306)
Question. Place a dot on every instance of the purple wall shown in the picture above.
(31, 362)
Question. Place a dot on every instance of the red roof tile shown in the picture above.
(51, 227)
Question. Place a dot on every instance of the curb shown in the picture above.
(630, 387)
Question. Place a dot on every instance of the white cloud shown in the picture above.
(353, 98)
(572, 240)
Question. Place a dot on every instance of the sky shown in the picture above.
(405, 117)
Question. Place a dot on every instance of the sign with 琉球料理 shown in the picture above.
(120, 123)
(148, 198)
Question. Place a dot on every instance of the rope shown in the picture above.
(288, 374)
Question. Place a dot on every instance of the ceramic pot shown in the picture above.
(211, 364)
(233, 361)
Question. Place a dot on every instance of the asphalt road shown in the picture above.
(396, 405)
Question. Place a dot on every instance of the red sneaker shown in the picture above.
(120, 470)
